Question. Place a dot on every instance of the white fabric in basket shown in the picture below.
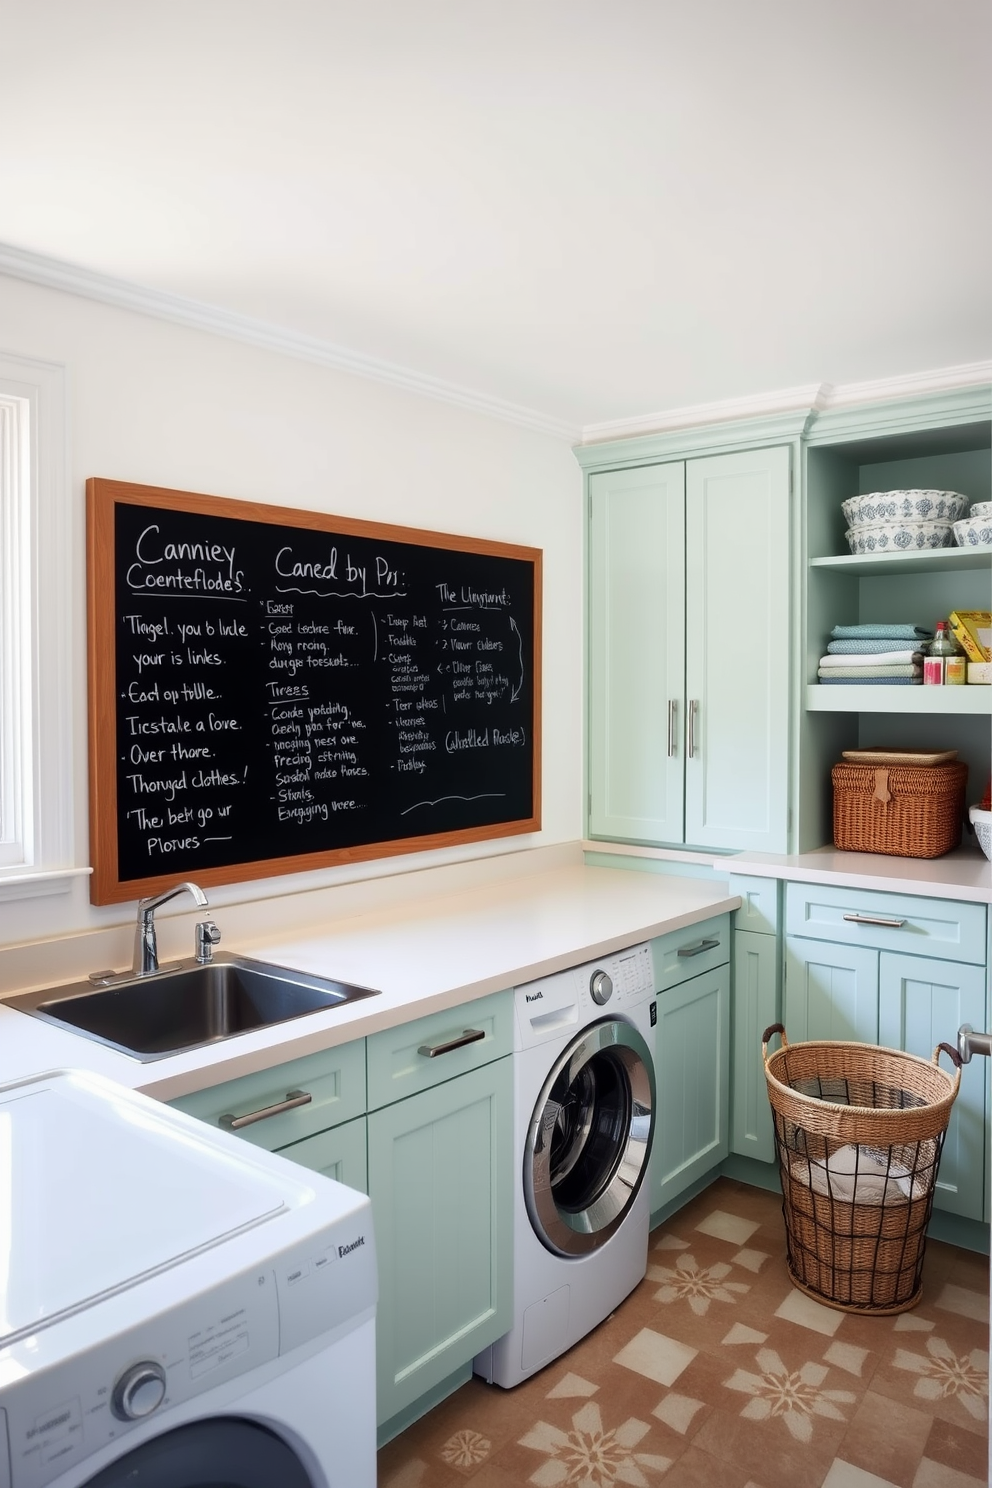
(858, 1175)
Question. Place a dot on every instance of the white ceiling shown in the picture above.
(595, 209)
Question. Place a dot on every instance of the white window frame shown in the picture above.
(37, 536)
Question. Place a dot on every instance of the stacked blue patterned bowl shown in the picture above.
(902, 521)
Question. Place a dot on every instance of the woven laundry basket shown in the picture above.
(910, 811)
(859, 1131)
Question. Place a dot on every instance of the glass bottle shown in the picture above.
(945, 664)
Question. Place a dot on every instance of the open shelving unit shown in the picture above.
(947, 446)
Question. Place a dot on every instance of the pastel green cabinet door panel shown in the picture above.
(692, 1040)
(831, 991)
(340, 1154)
(441, 1183)
(636, 652)
(737, 650)
(922, 1003)
(755, 1008)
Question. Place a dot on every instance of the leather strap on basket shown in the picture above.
(955, 1060)
(882, 786)
(769, 1033)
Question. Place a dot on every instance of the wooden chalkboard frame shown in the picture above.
(103, 496)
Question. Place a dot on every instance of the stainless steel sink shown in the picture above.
(187, 1005)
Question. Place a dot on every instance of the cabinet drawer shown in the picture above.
(921, 927)
(687, 953)
(334, 1079)
(397, 1066)
(759, 911)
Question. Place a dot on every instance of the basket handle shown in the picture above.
(948, 1049)
(778, 1028)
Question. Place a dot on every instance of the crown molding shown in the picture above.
(55, 273)
(815, 398)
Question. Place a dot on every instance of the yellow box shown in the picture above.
(972, 629)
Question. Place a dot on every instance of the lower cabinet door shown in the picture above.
(831, 991)
(692, 1043)
(755, 1008)
(441, 1176)
(922, 1003)
(339, 1154)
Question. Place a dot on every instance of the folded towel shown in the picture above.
(869, 648)
(881, 633)
(870, 659)
(833, 681)
(867, 674)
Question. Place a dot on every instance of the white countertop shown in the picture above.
(433, 954)
(964, 874)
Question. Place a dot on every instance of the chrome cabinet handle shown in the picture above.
(698, 948)
(673, 728)
(693, 715)
(470, 1036)
(863, 919)
(293, 1099)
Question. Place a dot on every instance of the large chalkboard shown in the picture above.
(276, 690)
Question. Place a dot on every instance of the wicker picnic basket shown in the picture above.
(858, 1131)
(911, 811)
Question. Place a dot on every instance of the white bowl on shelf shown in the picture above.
(973, 532)
(911, 506)
(898, 537)
(981, 509)
(982, 823)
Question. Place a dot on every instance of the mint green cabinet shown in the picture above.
(755, 1008)
(440, 1180)
(903, 971)
(688, 651)
(922, 1003)
(692, 1060)
(637, 653)
(440, 1137)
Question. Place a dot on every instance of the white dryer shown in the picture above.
(584, 1111)
(177, 1309)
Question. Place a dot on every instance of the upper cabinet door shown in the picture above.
(636, 653)
(737, 651)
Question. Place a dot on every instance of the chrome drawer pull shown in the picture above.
(862, 919)
(673, 727)
(293, 1099)
(470, 1036)
(701, 945)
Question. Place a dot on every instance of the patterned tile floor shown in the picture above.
(716, 1371)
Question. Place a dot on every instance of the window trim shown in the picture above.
(41, 533)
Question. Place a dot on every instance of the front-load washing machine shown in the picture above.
(177, 1309)
(584, 1110)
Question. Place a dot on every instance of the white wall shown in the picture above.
(156, 403)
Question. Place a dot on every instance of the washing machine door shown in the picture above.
(222, 1452)
(589, 1138)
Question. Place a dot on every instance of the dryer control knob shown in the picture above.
(601, 987)
(139, 1391)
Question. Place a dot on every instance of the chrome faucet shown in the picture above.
(145, 961)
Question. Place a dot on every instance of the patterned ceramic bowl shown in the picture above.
(973, 532)
(912, 506)
(981, 509)
(898, 537)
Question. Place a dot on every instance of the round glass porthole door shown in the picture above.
(589, 1138)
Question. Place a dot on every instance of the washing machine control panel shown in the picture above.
(79, 1387)
(616, 983)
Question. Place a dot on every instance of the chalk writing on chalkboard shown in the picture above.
(273, 690)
